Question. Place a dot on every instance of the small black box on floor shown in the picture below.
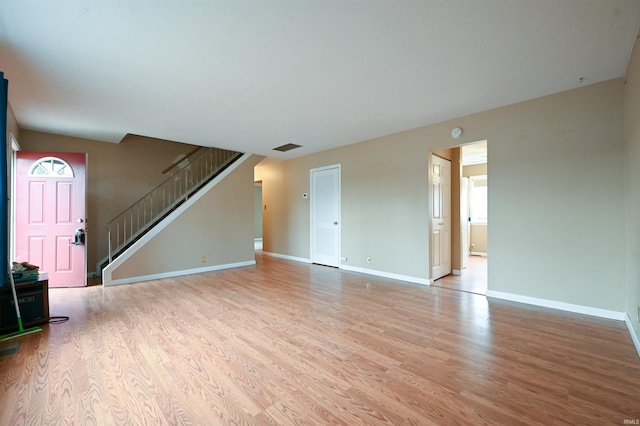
(33, 299)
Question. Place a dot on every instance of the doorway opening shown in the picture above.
(469, 218)
(257, 215)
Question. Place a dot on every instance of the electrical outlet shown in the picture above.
(368, 259)
(204, 259)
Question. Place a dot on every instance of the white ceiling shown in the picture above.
(253, 75)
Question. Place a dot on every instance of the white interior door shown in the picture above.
(440, 217)
(325, 216)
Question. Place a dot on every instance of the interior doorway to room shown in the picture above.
(469, 189)
(257, 215)
(50, 215)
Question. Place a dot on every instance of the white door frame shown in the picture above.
(15, 147)
(464, 223)
(337, 221)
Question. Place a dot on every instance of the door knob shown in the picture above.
(335, 223)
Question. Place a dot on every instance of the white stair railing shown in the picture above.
(138, 218)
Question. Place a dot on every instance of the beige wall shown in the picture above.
(632, 155)
(479, 239)
(218, 226)
(550, 159)
(118, 175)
(377, 216)
(557, 169)
(12, 126)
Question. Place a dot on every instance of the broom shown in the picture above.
(21, 331)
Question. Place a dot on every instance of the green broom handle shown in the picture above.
(15, 300)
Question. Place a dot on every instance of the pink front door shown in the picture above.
(50, 212)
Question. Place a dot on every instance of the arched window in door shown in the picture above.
(51, 167)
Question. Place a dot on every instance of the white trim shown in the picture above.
(12, 217)
(106, 273)
(569, 307)
(284, 256)
(87, 235)
(478, 253)
(634, 336)
(257, 244)
(407, 278)
(180, 273)
(457, 272)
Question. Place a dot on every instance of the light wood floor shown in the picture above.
(289, 343)
(473, 279)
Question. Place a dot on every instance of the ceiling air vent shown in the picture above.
(286, 147)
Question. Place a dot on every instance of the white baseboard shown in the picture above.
(569, 307)
(634, 336)
(284, 256)
(383, 274)
(407, 278)
(456, 272)
(178, 273)
(478, 253)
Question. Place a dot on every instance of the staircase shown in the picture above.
(185, 179)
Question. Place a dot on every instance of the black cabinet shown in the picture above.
(33, 298)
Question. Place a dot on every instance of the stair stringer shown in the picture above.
(108, 272)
